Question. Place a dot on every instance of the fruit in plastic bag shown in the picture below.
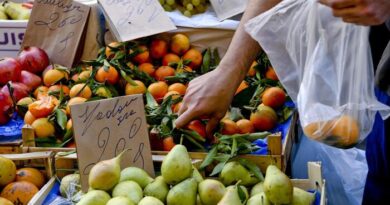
(70, 185)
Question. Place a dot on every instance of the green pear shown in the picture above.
(95, 197)
(105, 174)
(177, 165)
(135, 174)
(158, 189)
(211, 191)
(70, 185)
(149, 200)
(233, 172)
(198, 201)
(183, 193)
(257, 189)
(3, 16)
(129, 189)
(277, 186)
(196, 174)
(302, 197)
(120, 200)
(258, 199)
(231, 197)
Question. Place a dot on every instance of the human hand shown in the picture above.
(362, 12)
(208, 95)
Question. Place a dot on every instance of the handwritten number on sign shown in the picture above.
(120, 146)
(139, 156)
(135, 127)
(103, 138)
(65, 41)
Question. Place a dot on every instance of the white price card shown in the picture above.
(132, 19)
(228, 8)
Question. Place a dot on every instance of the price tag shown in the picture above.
(132, 19)
(228, 8)
(57, 26)
(104, 128)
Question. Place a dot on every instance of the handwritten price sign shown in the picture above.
(228, 8)
(132, 19)
(57, 27)
(103, 129)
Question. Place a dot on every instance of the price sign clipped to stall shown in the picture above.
(228, 8)
(105, 128)
(57, 26)
(132, 19)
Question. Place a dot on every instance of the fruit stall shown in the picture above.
(45, 112)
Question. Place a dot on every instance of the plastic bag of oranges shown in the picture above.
(325, 66)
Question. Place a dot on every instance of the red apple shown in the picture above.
(30, 79)
(20, 90)
(5, 108)
(33, 59)
(10, 70)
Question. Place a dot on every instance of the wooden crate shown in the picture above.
(30, 160)
(11, 147)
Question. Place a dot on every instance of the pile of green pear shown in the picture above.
(181, 183)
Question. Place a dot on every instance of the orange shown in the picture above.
(229, 127)
(69, 124)
(103, 92)
(158, 89)
(158, 48)
(180, 43)
(178, 87)
(19, 192)
(195, 57)
(29, 118)
(270, 74)
(53, 76)
(109, 53)
(168, 143)
(252, 70)
(170, 58)
(40, 92)
(164, 71)
(174, 95)
(74, 101)
(177, 107)
(80, 90)
(147, 68)
(75, 77)
(243, 85)
(318, 130)
(31, 175)
(135, 89)
(274, 97)
(43, 107)
(245, 126)
(264, 118)
(143, 56)
(58, 88)
(198, 127)
(43, 128)
(110, 75)
(83, 76)
(346, 130)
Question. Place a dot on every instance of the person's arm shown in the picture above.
(363, 12)
(211, 94)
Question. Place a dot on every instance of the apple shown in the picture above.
(33, 59)
(20, 90)
(30, 79)
(10, 70)
(5, 108)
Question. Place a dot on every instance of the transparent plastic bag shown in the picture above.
(325, 66)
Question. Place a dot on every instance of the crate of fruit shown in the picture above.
(25, 176)
(180, 182)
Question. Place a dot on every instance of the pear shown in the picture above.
(259, 199)
(257, 189)
(95, 197)
(183, 193)
(105, 174)
(120, 200)
(198, 201)
(129, 189)
(196, 174)
(277, 186)
(158, 189)
(231, 197)
(177, 165)
(211, 191)
(149, 200)
(302, 197)
(233, 172)
(136, 174)
(70, 185)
